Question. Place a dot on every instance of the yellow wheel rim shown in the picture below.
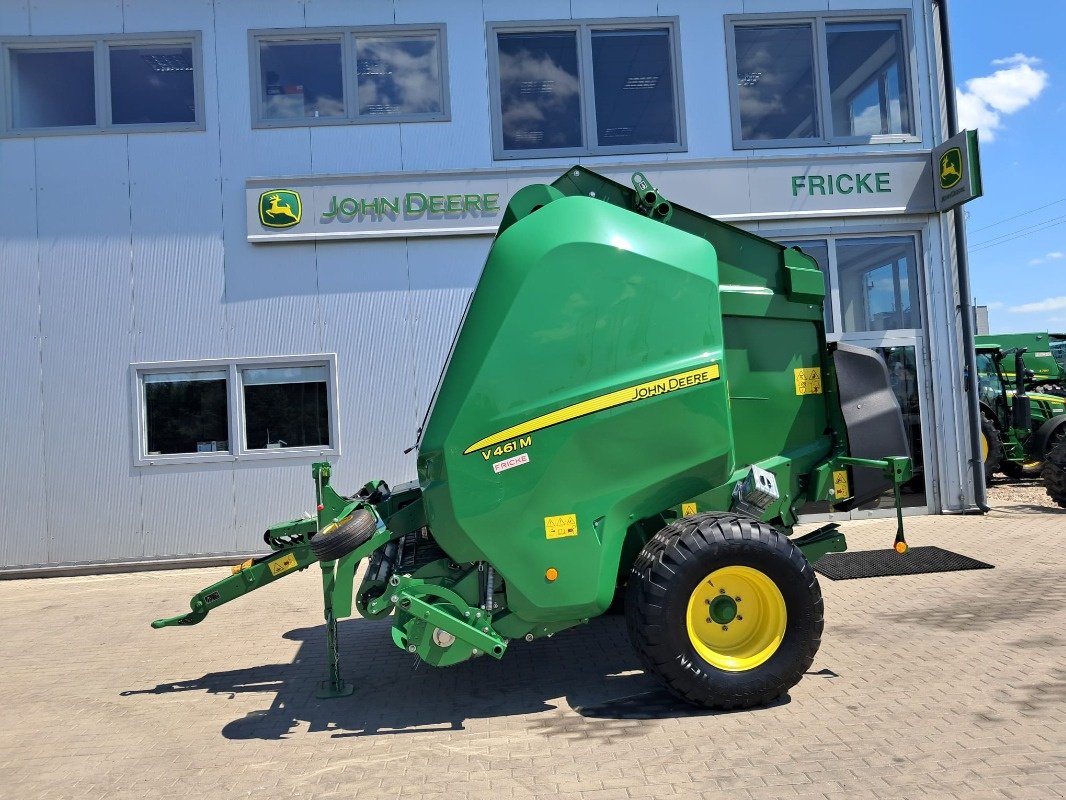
(984, 448)
(736, 618)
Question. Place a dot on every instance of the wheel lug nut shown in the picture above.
(740, 618)
(725, 627)
(737, 599)
(721, 591)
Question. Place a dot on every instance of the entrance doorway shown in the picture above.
(873, 300)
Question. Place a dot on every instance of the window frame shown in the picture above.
(832, 235)
(348, 35)
(236, 419)
(583, 29)
(100, 46)
(817, 22)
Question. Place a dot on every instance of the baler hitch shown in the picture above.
(293, 552)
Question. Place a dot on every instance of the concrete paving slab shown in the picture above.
(937, 685)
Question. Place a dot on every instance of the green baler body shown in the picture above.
(622, 364)
(612, 367)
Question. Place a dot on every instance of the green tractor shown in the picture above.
(637, 402)
(1019, 428)
(1045, 357)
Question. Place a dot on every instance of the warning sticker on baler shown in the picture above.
(560, 527)
(841, 490)
(283, 564)
(688, 509)
(808, 380)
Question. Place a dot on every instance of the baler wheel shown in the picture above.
(1054, 474)
(991, 448)
(335, 541)
(724, 610)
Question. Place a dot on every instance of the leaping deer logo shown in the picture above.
(279, 208)
(950, 164)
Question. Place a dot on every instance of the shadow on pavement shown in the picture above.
(395, 693)
(1028, 508)
(593, 667)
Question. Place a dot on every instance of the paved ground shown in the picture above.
(950, 685)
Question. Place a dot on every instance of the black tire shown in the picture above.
(666, 574)
(993, 458)
(350, 533)
(1054, 474)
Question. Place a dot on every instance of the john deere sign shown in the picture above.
(956, 171)
(413, 204)
(375, 206)
(471, 202)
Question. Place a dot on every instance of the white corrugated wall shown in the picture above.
(123, 248)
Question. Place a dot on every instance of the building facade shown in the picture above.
(238, 236)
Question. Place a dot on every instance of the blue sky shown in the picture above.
(1017, 266)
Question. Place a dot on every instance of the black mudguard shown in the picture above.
(872, 416)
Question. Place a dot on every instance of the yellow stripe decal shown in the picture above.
(630, 394)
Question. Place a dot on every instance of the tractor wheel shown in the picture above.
(339, 540)
(1017, 471)
(724, 610)
(991, 448)
(1054, 474)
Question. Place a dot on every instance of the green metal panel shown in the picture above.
(1038, 356)
(579, 303)
(611, 366)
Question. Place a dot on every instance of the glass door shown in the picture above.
(873, 301)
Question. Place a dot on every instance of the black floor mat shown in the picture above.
(882, 563)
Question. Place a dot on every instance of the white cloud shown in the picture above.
(987, 99)
(1050, 304)
(994, 305)
(1017, 58)
(1052, 256)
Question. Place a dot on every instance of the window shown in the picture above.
(102, 84)
(286, 407)
(776, 83)
(340, 76)
(152, 85)
(820, 80)
(53, 88)
(585, 88)
(989, 380)
(871, 282)
(237, 409)
(185, 412)
(877, 281)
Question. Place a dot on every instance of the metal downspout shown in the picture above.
(963, 269)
